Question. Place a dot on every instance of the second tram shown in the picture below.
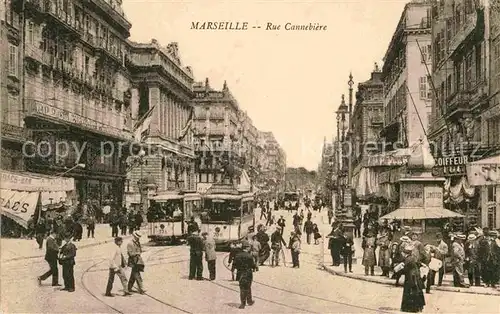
(227, 217)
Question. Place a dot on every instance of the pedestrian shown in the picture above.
(67, 260)
(357, 226)
(114, 223)
(316, 233)
(472, 262)
(270, 220)
(295, 251)
(369, 259)
(458, 260)
(276, 245)
(210, 254)
(439, 252)
(263, 213)
(51, 254)
(195, 243)
(281, 223)
(90, 226)
(138, 220)
(131, 223)
(330, 215)
(308, 229)
(234, 249)
(413, 300)
(244, 264)
(489, 255)
(40, 231)
(263, 239)
(123, 222)
(135, 262)
(347, 251)
(384, 254)
(256, 248)
(77, 231)
(193, 226)
(335, 244)
(31, 227)
(116, 267)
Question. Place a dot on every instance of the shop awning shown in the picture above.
(55, 199)
(29, 181)
(163, 197)
(417, 213)
(484, 172)
(192, 197)
(18, 205)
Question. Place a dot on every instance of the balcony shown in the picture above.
(61, 20)
(113, 9)
(464, 33)
(218, 130)
(457, 104)
(104, 48)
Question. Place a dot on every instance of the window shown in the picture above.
(479, 63)
(492, 193)
(493, 129)
(425, 54)
(424, 88)
(496, 65)
(468, 72)
(13, 60)
(30, 36)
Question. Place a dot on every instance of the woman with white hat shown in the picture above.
(413, 296)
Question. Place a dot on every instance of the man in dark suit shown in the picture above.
(51, 253)
(67, 260)
(245, 265)
(196, 256)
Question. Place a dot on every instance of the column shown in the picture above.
(134, 102)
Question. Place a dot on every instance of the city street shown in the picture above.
(308, 289)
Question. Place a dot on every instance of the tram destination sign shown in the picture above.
(451, 166)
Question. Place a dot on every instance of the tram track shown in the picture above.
(305, 295)
(89, 291)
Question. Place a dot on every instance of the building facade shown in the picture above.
(368, 117)
(162, 90)
(218, 139)
(407, 65)
(465, 111)
(273, 164)
(73, 92)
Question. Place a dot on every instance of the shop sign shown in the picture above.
(433, 196)
(386, 161)
(50, 111)
(13, 131)
(24, 182)
(451, 166)
(202, 188)
(20, 205)
(412, 195)
(483, 174)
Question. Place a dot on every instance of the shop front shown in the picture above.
(485, 175)
(25, 196)
(92, 153)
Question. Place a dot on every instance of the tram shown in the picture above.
(168, 214)
(227, 217)
(291, 200)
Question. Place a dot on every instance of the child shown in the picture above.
(295, 249)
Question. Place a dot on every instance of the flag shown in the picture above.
(141, 129)
(187, 127)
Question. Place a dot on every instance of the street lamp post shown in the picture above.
(140, 160)
(341, 125)
(351, 140)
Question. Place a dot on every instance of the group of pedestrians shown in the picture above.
(121, 220)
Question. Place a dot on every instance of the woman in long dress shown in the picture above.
(413, 295)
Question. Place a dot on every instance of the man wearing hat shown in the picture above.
(276, 242)
(458, 260)
(135, 262)
(471, 258)
(116, 267)
(244, 264)
(281, 224)
(196, 245)
(489, 255)
(440, 251)
(67, 260)
(397, 256)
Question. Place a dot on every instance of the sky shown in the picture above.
(289, 82)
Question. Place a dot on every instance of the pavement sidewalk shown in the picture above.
(13, 249)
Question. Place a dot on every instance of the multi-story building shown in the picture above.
(407, 65)
(326, 172)
(466, 110)
(368, 117)
(161, 89)
(11, 71)
(69, 83)
(250, 141)
(273, 164)
(218, 135)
